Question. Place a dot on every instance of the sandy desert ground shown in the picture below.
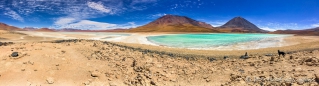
(50, 61)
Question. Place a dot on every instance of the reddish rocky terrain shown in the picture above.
(4, 26)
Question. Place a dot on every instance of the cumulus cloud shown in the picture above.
(315, 25)
(14, 15)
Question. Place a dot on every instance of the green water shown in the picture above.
(210, 40)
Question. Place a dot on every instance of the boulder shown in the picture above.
(95, 74)
(50, 80)
(15, 54)
(244, 57)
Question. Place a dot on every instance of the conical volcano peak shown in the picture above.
(178, 20)
(242, 23)
(175, 23)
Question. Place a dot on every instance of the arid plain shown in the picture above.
(53, 59)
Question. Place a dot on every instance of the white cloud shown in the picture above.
(98, 6)
(64, 21)
(87, 24)
(268, 29)
(14, 15)
(216, 23)
(70, 11)
(156, 15)
(93, 25)
(315, 25)
(132, 24)
(282, 26)
(142, 1)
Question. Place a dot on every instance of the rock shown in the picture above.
(225, 57)
(173, 80)
(269, 55)
(212, 59)
(291, 57)
(63, 51)
(286, 84)
(317, 78)
(14, 54)
(241, 71)
(30, 62)
(153, 83)
(50, 80)
(272, 58)
(112, 84)
(300, 82)
(87, 83)
(208, 80)
(244, 57)
(95, 74)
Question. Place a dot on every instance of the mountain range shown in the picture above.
(306, 32)
(175, 23)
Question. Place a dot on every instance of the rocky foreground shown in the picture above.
(87, 62)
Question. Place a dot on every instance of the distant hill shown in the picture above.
(79, 30)
(4, 26)
(306, 32)
(174, 23)
(239, 24)
(44, 30)
(29, 28)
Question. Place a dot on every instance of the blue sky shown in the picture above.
(110, 14)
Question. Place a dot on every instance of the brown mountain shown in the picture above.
(29, 28)
(306, 32)
(239, 24)
(4, 26)
(44, 30)
(174, 23)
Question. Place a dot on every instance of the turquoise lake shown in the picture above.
(213, 40)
